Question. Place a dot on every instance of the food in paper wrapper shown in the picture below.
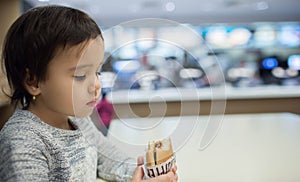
(159, 158)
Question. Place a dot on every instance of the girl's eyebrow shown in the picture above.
(80, 67)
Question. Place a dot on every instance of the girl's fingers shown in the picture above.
(174, 169)
(138, 174)
(140, 161)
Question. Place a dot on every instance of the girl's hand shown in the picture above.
(139, 174)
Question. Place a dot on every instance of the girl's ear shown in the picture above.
(31, 84)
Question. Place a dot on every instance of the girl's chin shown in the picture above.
(83, 114)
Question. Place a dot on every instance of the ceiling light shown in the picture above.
(170, 6)
(291, 72)
(263, 5)
(190, 73)
(278, 72)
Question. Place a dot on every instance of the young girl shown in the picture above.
(52, 56)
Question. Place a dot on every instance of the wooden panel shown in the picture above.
(234, 106)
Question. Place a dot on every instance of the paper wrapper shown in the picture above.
(163, 168)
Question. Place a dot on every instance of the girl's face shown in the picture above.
(72, 84)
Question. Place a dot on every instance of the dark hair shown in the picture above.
(35, 37)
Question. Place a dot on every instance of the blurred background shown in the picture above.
(251, 47)
(256, 42)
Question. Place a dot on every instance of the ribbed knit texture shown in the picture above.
(31, 150)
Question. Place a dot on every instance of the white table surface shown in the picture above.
(247, 148)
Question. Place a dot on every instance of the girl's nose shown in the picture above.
(95, 87)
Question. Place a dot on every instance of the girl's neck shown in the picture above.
(52, 118)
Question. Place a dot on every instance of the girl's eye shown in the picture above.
(79, 77)
(98, 74)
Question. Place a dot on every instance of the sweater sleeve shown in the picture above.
(22, 157)
(112, 163)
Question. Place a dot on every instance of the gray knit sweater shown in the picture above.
(31, 150)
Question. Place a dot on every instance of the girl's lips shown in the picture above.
(92, 103)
